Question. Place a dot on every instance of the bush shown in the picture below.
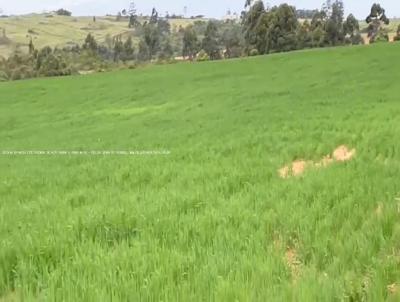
(254, 52)
(354, 40)
(202, 56)
(3, 76)
(22, 72)
(381, 38)
(63, 12)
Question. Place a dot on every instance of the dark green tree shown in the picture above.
(63, 12)
(144, 52)
(253, 28)
(304, 35)
(154, 16)
(166, 51)
(152, 38)
(31, 47)
(128, 49)
(375, 20)
(210, 43)
(351, 30)
(232, 41)
(133, 17)
(118, 48)
(90, 43)
(281, 28)
(334, 23)
(190, 43)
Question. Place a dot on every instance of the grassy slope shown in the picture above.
(211, 221)
(60, 30)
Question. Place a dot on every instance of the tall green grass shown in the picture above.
(212, 221)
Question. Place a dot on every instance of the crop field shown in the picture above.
(250, 203)
(61, 31)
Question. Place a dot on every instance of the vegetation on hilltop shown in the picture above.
(261, 31)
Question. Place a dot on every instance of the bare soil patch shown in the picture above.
(293, 262)
(298, 167)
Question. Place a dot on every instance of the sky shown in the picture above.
(210, 8)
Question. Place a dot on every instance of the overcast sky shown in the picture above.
(212, 8)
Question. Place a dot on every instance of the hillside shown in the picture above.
(213, 220)
(60, 30)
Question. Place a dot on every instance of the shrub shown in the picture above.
(3, 76)
(202, 56)
(253, 53)
(380, 38)
(63, 12)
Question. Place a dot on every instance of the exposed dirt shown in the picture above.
(293, 262)
(343, 153)
(298, 167)
(393, 288)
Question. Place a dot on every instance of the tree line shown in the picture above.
(261, 30)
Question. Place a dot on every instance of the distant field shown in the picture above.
(213, 220)
(59, 30)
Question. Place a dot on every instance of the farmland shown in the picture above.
(212, 220)
(59, 31)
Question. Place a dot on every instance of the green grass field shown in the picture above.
(211, 221)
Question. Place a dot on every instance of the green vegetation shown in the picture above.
(212, 221)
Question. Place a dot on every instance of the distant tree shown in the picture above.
(90, 43)
(375, 20)
(334, 24)
(133, 17)
(63, 12)
(133, 21)
(143, 53)
(253, 28)
(128, 49)
(304, 35)
(317, 27)
(190, 42)
(351, 29)
(152, 38)
(232, 41)
(166, 51)
(154, 16)
(94, 19)
(210, 43)
(281, 26)
(31, 47)
(164, 27)
(118, 48)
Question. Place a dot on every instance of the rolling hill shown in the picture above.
(53, 30)
(213, 218)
